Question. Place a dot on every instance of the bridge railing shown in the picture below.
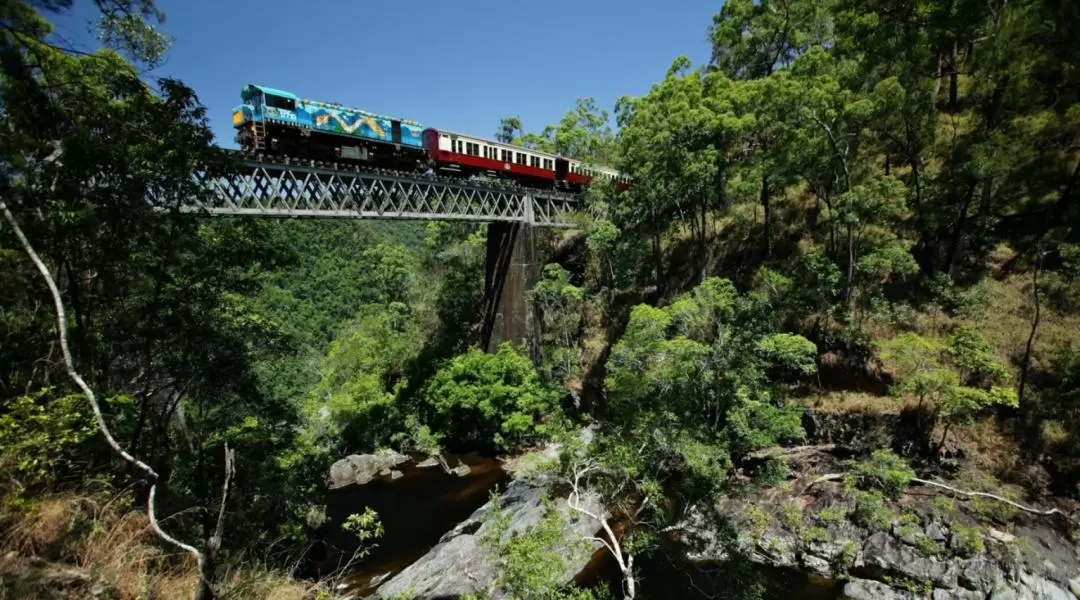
(277, 190)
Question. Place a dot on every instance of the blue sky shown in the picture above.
(459, 65)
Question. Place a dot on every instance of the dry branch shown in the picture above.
(797, 451)
(968, 493)
(69, 363)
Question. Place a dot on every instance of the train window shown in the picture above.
(521, 158)
(507, 156)
(534, 161)
(280, 102)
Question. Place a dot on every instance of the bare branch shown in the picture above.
(823, 479)
(970, 494)
(776, 451)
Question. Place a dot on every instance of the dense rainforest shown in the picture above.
(857, 211)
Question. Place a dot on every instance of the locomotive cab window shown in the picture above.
(280, 102)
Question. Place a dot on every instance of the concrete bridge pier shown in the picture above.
(509, 274)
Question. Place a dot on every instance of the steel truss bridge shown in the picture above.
(263, 188)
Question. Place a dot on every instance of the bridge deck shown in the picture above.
(278, 190)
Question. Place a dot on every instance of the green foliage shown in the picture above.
(919, 588)
(533, 563)
(927, 546)
(36, 434)
(832, 514)
(559, 304)
(966, 540)
(944, 505)
(354, 403)
(872, 511)
(791, 515)
(814, 534)
(490, 399)
(755, 521)
(961, 377)
(689, 359)
(883, 470)
(366, 527)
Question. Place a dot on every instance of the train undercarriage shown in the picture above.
(306, 144)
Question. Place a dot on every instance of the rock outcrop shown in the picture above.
(459, 564)
(358, 469)
(912, 548)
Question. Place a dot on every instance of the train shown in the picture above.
(278, 123)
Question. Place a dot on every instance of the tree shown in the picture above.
(150, 296)
(559, 304)
(688, 396)
(509, 130)
(959, 378)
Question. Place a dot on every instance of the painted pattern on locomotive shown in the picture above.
(278, 106)
(350, 121)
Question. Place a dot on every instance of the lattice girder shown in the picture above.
(269, 189)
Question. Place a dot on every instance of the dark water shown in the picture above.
(665, 576)
(425, 503)
(415, 509)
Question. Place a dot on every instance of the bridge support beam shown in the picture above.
(510, 273)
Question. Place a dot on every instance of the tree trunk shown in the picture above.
(766, 205)
(958, 230)
(704, 233)
(954, 75)
(1025, 366)
(658, 265)
(937, 77)
(849, 298)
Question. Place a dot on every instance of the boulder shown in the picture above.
(868, 589)
(460, 565)
(358, 469)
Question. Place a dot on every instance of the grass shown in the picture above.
(95, 540)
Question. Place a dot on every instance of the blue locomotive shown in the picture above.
(277, 122)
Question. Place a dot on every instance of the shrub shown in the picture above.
(884, 470)
(967, 541)
(490, 399)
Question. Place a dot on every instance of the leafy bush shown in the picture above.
(872, 511)
(36, 431)
(490, 399)
(967, 540)
(883, 470)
